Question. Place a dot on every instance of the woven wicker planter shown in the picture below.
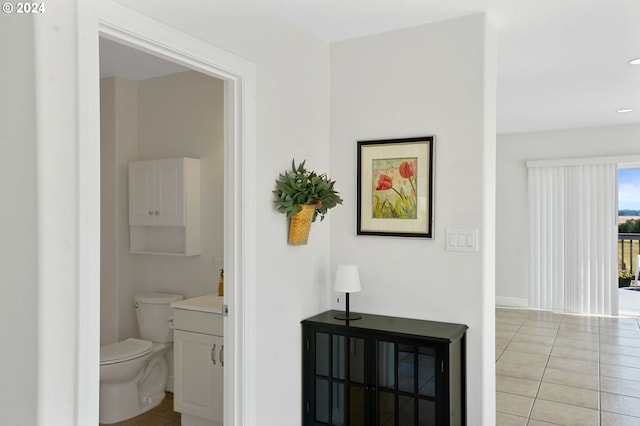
(300, 225)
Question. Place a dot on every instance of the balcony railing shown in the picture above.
(628, 250)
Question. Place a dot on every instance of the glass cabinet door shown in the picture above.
(339, 375)
(406, 378)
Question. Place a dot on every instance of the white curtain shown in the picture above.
(573, 238)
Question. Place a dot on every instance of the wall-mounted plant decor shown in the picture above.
(304, 195)
(395, 187)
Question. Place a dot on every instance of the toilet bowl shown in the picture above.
(134, 372)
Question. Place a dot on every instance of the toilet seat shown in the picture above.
(126, 350)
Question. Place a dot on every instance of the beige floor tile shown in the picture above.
(503, 419)
(614, 331)
(516, 385)
(583, 345)
(580, 354)
(620, 323)
(629, 373)
(571, 378)
(578, 335)
(617, 340)
(620, 404)
(620, 349)
(541, 323)
(510, 318)
(569, 395)
(517, 370)
(544, 316)
(620, 386)
(532, 338)
(614, 419)
(531, 348)
(505, 335)
(573, 365)
(501, 319)
(566, 369)
(623, 360)
(516, 405)
(580, 327)
(564, 414)
(538, 331)
(510, 328)
(523, 358)
(501, 344)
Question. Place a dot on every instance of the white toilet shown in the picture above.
(133, 372)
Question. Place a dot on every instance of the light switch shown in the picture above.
(462, 239)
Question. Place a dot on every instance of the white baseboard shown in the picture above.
(512, 302)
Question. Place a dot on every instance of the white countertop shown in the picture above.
(208, 303)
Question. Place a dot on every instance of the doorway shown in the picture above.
(129, 28)
(154, 109)
(628, 238)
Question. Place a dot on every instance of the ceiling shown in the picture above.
(561, 63)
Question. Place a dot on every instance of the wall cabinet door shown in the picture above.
(156, 193)
(198, 382)
(169, 192)
(142, 207)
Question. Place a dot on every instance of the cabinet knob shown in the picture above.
(213, 354)
(150, 213)
(157, 213)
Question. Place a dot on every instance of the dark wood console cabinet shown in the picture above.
(382, 370)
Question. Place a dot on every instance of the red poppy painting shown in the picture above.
(395, 186)
(395, 193)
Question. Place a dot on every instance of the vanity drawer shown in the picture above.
(198, 322)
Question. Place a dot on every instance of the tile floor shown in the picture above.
(561, 369)
(162, 415)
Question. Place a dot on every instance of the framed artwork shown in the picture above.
(395, 187)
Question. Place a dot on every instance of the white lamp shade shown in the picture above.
(347, 279)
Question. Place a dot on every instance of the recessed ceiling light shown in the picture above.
(624, 110)
(635, 61)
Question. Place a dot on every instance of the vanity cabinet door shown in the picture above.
(199, 360)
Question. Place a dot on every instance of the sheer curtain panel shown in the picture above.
(573, 238)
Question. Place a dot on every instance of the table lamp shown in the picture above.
(347, 281)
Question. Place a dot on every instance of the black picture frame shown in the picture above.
(395, 187)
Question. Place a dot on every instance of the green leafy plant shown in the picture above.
(300, 186)
(625, 273)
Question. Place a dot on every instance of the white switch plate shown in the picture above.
(462, 240)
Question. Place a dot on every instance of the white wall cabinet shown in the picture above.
(164, 206)
(198, 368)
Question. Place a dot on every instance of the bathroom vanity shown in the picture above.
(199, 360)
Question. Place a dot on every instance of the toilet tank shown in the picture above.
(153, 311)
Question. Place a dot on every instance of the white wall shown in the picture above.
(18, 221)
(426, 80)
(513, 151)
(118, 146)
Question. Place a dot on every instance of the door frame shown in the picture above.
(133, 29)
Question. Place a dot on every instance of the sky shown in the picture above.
(629, 189)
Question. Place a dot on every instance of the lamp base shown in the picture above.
(347, 316)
